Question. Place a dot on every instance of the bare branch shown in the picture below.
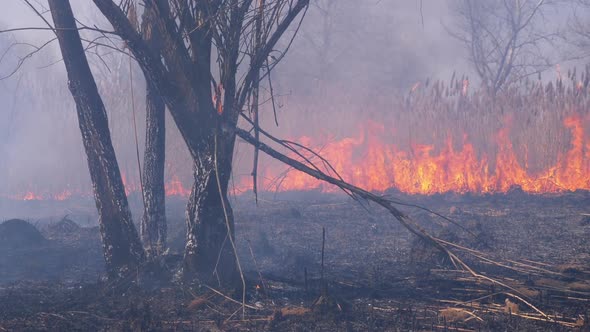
(498, 34)
(23, 59)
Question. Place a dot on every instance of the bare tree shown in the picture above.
(122, 247)
(208, 125)
(579, 28)
(153, 223)
(237, 36)
(505, 39)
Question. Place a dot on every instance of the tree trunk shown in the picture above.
(209, 255)
(184, 82)
(153, 223)
(122, 248)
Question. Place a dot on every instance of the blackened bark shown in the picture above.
(209, 255)
(122, 248)
(184, 83)
(153, 223)
(170, 80)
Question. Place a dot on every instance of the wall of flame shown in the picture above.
(371, 163)
(430, 141)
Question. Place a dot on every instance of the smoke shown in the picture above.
(348, 62)
(378, 46)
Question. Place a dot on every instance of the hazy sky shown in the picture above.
(376, 47)
(375, 29)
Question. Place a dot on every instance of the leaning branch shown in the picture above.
(405, 220)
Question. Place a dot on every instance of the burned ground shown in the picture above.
(378, 276)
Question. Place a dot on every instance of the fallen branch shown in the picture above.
(405, 220)
(359, 192)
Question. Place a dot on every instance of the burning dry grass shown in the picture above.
(440, 138)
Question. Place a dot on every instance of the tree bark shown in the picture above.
(184, 83)
(209, 255)
(122, 248)
(153, 223)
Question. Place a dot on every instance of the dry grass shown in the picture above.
(294, 311)
(455, 314)
(529, 116)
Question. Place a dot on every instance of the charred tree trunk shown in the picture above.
(122, 248)
(153, 223)
(209, 255)
(183, 76)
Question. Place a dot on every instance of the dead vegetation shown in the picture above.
(374, 284)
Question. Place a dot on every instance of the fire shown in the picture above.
(373, 162)
(31, 196)
(130, 186)
(36, 196)
(174, 187)
(368, 162)
(62, 196)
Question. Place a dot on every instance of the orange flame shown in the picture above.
(31, 196)
(369, 163)
(62, 196)
(175, 188)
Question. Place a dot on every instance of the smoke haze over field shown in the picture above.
(278, 148)
(347, 59)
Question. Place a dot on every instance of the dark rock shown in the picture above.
(17, 233)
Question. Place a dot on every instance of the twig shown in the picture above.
(272, 95)
(229, 231)
(230, 299)
(324, 288)
(143, 198)
(233, 314)
(256, 266)
(530, 305)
